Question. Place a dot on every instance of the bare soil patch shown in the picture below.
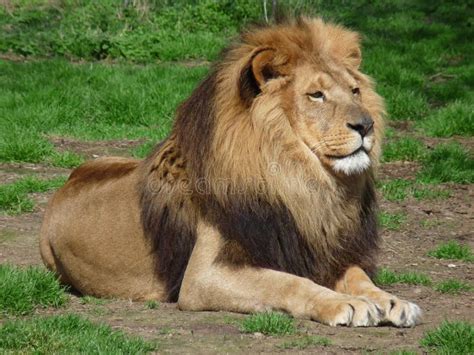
(428, 223)
(91, 150)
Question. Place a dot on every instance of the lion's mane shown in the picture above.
(233, 160)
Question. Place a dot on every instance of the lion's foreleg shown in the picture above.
(356, 282)
(210, 285)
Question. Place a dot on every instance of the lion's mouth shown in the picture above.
(359, 150)
(354, 163)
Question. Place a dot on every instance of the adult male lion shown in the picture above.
(262, 197)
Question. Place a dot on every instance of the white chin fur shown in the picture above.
(353, 164)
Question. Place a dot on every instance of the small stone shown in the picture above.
(95, 155)
(451, 265)
(258, 335)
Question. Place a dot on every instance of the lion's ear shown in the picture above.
(353, 58)
(264, 64)
(344, 46)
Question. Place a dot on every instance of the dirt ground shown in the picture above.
(428, 223)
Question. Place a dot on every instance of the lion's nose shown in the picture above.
(364, 125)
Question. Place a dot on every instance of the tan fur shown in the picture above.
(251, 139)
(98, 250)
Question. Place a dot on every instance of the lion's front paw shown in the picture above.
(350, 311)
(401, 313)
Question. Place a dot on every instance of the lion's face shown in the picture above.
(311, 71)
(329, 116)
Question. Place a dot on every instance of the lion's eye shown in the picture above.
(317, 96)
(355, 91)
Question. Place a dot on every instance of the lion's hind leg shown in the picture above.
(50, 261)
(398, 312)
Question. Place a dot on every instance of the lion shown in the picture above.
(261, 198)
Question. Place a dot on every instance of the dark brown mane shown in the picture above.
(193, 126)
(168, 212)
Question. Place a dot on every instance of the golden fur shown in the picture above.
(262, 197)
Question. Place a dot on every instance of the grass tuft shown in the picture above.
(453, 286)
(403, 149)
(399, 189)
(452, 250)
(66, 159)
(388, 277)
(152, 304)
(269, 323)
(18, 143)
(305, 342)
(14, 197)
(24, 290)
(425, 192)
(143, 150)
(395, 190)
(67, 334)
(92, 300)
(457, 118)
(450, 338)
(447, 163)
(391, 221)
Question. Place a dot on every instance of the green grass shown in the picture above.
(22, 290)
(419, 54)
(395, 190)
(66, 160)
(391, 221)
(152, 304)
(403, 149)
(453, 286)
(457, 118)
(399, 189)
(450, 338)
(427, 192)
(86, 101)
(149, 31)
(305, 342)
(143, 150)
(447, 163)
(14, 197)
(67, 334)
(388, 277)
(269, 323)
(92, 300)
(452, 250)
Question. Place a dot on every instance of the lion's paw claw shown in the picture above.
(403, 313)
(357, 312)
